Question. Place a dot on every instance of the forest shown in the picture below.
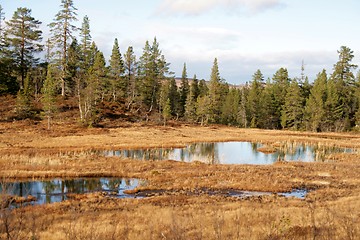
(72, 67)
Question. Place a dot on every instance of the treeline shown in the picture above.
(74, 67)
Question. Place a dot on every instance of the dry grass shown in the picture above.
(180, 210)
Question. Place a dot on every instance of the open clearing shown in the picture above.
(180, 206)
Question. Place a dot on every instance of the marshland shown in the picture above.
(101, 142)
(179, 200)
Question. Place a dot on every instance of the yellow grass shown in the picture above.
(331, 210)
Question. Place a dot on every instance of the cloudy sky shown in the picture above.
(245, 35)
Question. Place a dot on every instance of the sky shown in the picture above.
(244, 35)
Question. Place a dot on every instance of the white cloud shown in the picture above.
(197, 7)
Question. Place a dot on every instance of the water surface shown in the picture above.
(230, 153)
(57, 190)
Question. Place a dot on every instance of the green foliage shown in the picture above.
(62, 31)
(314, 113)
(49, 95)
(167, 111)
(292, 111)
(256, 88)
(153, 69)
(119, 84)
(216, 93)
(230, 108)
(85, 50)
(24, 107)
(190, 105)
(23, 41)
(184, 91)
(130, 66)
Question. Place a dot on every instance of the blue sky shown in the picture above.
(245, 35)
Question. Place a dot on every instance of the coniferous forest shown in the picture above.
(73, 67)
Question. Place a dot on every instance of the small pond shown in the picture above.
(230, 153)
(58, 190)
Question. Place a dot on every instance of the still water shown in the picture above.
(57, 190)
(230, 153)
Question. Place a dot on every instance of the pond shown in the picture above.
(230, 153)
(58, 190)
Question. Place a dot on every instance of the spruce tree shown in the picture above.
(24, 106)
(215, 93)
(130, 75)
(292, 110)
(85, 38)
(190, 105)
(280, 85)
(184, 91)
(23, 38)
(167, 111)
(255, 91)
(119, 83)
(315, 105)
(344, 81)
(62, 31)
(49, 95)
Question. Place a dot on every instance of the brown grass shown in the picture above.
(180, 210)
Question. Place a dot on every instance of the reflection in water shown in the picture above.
(231, 153)
(57, 190)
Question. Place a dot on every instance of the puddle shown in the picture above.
(57, 190)
(296, 193)
(230, 153)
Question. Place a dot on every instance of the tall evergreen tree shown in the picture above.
(344, 80)
(153, 69)
(184, 91)
(190, 105)
(62, 32)
(269, 111)
(314, 112)
(23, 37)
(85, 38)
(49, 95)
(255, 91)
(130, 74)
(230, 108)
(215, 93)
(292, 111)
(280, 85)
(119, 83)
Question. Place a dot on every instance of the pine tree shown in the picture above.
(153, 69)
(292, 111)
(130, 74)
(215, 93)
(85, 44)
(280, 85)
(74, 68)
(62, 32)
(190, 105)
(49, 95)
(255, 91)
(23, 38)
(95, 89)
(230, 107)
(167, 111)
(269, 112)
(315, 105)
(203, 88)
(344, 81)
(119, 83)
(24, 106)
(203, 110)
(8, 83)
(184, 91)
